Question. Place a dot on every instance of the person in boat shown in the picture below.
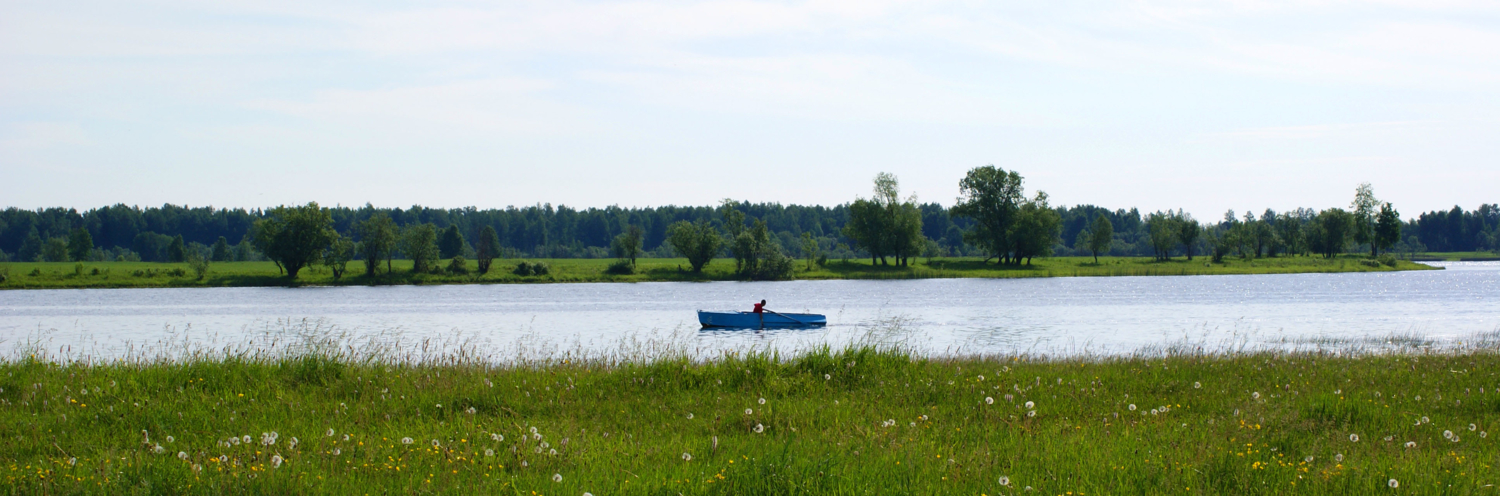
(760, 309)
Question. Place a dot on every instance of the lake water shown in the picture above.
(1078, 315)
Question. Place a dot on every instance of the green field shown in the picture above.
(861, 421)
(42, 275)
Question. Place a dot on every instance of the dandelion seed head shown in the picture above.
(1197, 385)
(690, 415)
(471, 411)
(276, 461)
(223, 458)
(687, 457)
(552, 452)
(827, 377)
(197, 468)
(749, 411)
(245, 439)
(536, 437)
(1030, 405)
(1411, 444)
(1447, 434)
(1308, 459)
(556, 477)
(1255, 395)
(1131, 407)
(988, 400)
(762, 401)
(1393, 483)
(337, 452)
(406, 440)
(489, 452)
(1004, 481)
(329, 433)
(1031, 413)
(1338, 457)
(435, 443)
(181, 455)
(1473, 427)
(159, 449)
(759, 428)
(496, 437)
(1354, 438)
(171, 439)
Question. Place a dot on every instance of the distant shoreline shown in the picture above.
(77, 275)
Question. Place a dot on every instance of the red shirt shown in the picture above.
(758, 307)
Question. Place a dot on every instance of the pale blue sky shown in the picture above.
(1205, 106)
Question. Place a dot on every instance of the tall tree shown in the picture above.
(80, 244)
(1101, 236)
(452, 243)
(377, 241)
(991, 197)
(1334, 227)
(488, 249)
(1387, 227)
(1364, 211)
(696, 241)
(1164, 233)
(419, 243)
(866, 227)
(294, 236)
(221, 251)
(338, 254)
(1188, 232)
(1037, 228)
(177, 250)
(627, 245)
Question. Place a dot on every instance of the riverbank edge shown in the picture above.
(176, 275)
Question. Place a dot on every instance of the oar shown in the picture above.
(779, 313)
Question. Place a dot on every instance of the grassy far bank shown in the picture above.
(42, 275)
(862, 421)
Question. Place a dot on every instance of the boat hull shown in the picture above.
(751, 320)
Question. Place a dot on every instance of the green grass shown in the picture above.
(42, 275)
(1454, 256)
(857, 421)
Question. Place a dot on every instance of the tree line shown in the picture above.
(994, 218)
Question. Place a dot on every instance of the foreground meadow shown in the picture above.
(858, 421)
(60, 275)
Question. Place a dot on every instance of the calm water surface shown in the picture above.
(1102, 315)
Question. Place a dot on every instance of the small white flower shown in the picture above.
(1004, 481)
(276, 461)
(759, 428)
(1393, 483)
(1354, 438)
(913, 424)
(435, 443)
(330, 432)
(496, 437)
(1308, 459)
(988, 400)
(471, 411)
(72, 460)
(406, 440)
(762, 401)
(223, 458)
(1411, 444)
(439, 405)
(489, 452)
(556, 477)
(1030, 405)
(197, 468)
(687, 457)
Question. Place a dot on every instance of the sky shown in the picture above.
(1198, 105)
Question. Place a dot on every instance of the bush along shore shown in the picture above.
(850, 421)
(59, 275)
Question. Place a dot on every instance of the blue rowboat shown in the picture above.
(751, 320)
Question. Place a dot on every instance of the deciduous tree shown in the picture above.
(377, 242)
(294, 237)
(488, 249)
(696, 241)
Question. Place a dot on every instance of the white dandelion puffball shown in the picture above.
(471, 411)
(329, 433)
(1131, 407)
(1004, 481)
(762, 401)
(1447, 434)
(913, 424)
(690, 415)
(538, 450)
(687, 457)
(827, 377)
(439, 405)
(1393, 483)
(223, 458)
(181, 455)
(246, 439)
(1354, 438)
(406, 440)
(489, 452)
(1455, 438)
(1197, 385)
(1339, 458)
(1163, 409)
(537, 436)
(1473, 427)
(73, 460)
(1031, 413)
(1030, 405)
(1484, 434)
(346, 437)
(1308, 459)
(197, 468)
(1425, 419)
(524, 464)
(1411, 444)
(759, 428)
(556, 477)
(552, 452)
(159, 449)
(337, 452)
(988, 400)
(1255, 395)
(496, 437)
(171, 439)
(749, 411)
(276, 461)
(435, 443)
(533, 429)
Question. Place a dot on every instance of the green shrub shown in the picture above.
(36, 272)
(620, 267)
(1388, 260)
(458, 266)
(1369, 263)
(78, 269)
(177, 272)
(531, 269)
